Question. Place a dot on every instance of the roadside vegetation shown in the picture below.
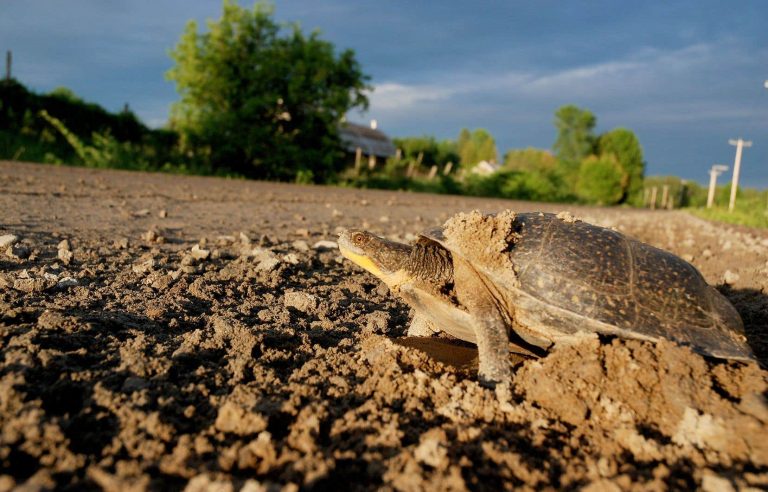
(262, 100)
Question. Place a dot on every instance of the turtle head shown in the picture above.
(384, 259)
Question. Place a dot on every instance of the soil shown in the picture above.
(168, 332)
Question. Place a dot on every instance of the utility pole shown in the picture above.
(740, 143)
(714, 172)
(8, 61)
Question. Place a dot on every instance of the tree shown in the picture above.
(261, 101)
(601, 180)
(575, 140)
(476, 146)
(530, 159)
(429, 149)
(624, 145)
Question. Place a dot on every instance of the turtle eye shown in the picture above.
(359, 239)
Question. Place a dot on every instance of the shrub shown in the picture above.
(601, 180)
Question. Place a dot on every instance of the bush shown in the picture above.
(601, 180)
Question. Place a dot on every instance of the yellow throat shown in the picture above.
(364, 262)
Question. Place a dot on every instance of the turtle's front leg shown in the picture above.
(490, 330)
(421, 327)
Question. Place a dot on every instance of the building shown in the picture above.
(485, 168)
(360, 140)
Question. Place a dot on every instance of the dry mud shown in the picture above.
(161, 332)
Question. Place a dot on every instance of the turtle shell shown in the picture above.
(558, 277)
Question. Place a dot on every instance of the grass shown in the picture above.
(746, 216)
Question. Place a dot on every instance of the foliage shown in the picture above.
(575, 140)
(263, 102)
(751, 204)
(104, 152)
(27, 135)
(426, 151)
(476, 146)
(601, 180)
(681, 192)
(529, 159)
(751, 207)
(540, 185)
(747, 214)
(625, 147)
(19, 107)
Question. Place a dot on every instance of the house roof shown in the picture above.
(372, 142)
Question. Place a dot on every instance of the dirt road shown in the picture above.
(163, 332)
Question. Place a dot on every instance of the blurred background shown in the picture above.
(596, 102)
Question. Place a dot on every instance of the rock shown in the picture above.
(64, 244)
(25, 283)
(325, 245)
(300, 245)
(19, 251)
(65, 256)
(151, 236)
(7, 240)
(162, 282)
(687, 257)
(143, 266)
(162, 214)
(730, 277)
(300, 300)
(141, 213)
(199, 253)
(64, 282)
(244, 239)
(120, 243)
(267, 264)
(291, 258)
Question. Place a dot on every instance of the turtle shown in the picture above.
(534, 280)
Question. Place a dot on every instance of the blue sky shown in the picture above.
(685, 76)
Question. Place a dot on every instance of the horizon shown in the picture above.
(686, 78)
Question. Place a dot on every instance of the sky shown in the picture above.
(685, 76)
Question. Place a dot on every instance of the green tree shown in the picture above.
(478, 145)
(529, 159)
(575, 140)
(624, 145)
(260, 100)
(427, 150)
(447, 151)
(601, 180)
